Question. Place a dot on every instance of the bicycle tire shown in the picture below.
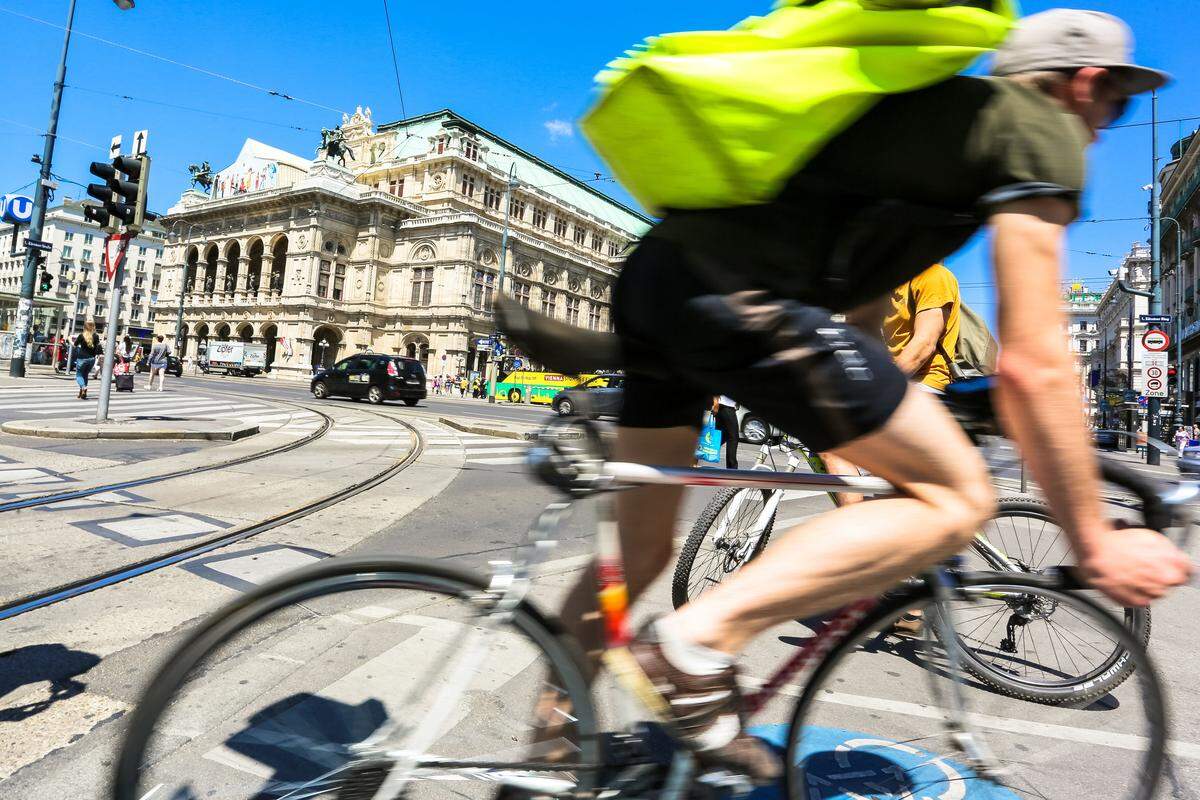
(1085, 689)
(892, 605)
(337, 575)
(681, 588)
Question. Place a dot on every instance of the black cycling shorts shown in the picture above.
(824, 382)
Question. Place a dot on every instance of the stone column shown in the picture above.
(268, 273)
(219, 282)
(243, 275)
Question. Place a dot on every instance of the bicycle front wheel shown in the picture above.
(339, 677)
(873, 720)
(728, 534)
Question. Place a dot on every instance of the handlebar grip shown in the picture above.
(1156, 514)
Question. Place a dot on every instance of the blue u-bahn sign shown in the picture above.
(17, 209)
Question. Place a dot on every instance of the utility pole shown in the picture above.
(493, 366)
(24, 321)
(1152, 407)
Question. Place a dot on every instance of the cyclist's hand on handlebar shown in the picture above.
(1136, 566)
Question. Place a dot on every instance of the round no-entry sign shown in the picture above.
(1156, 341)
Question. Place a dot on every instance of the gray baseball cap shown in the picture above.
(1067, 38)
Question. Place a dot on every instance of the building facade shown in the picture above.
(1117, 357)
(1180, 247)
(1081, 307)
(398, 251)
(80, 289)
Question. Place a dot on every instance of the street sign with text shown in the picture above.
(34, 244)
(1155, 319)
(1154, 368)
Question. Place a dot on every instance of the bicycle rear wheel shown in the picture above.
(330, 681)
(724, 539)
(1024, 533)
(871, 721)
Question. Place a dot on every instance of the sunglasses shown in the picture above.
(1118, 109)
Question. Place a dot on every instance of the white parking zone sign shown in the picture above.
(1154, 367)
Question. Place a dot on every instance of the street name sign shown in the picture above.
(35, 244)
(1154, 368)
(1156, 341)
(1155, 319)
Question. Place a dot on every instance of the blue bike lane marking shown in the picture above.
(851, 765)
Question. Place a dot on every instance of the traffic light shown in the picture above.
(47, 282)
(123, 193)
(45, 279)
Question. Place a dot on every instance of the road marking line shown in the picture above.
(491, 451)
(497, 460)
(1121, 741)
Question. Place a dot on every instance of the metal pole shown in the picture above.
(110, 337)
(24, 321)
(491, 383)
(1152, 407)
(182, 292)
(1129, 373)
(71, 329)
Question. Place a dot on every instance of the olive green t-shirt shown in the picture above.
(901, 189)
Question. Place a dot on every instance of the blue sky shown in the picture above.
(521, 69)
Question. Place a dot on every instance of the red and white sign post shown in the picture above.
(115, 246)
(1155, 345)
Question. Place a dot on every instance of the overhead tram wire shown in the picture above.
(395, 62)
(202, 70)
(123, 96)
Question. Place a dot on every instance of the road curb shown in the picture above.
(131, 429)
(490, 429)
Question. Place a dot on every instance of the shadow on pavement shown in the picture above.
(53, 663)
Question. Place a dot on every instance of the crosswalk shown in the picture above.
(473, 449)
(59, 401)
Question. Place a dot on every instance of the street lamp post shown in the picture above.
(324, 343)
(24, 321)
(182, 292)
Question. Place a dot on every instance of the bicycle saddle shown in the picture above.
(560, 347)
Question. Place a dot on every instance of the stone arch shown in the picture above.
(191, 260)
(245, 332)
(270, 335)
(324, 357)
(254, 274)
(233, 257)
(202, 335)
(222, 332)
(210, 268)
(279, 254)
(417, 346)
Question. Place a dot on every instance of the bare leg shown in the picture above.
(864, 549)
(836, 465)
(646, 518)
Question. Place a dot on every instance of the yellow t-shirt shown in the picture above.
(934, 288)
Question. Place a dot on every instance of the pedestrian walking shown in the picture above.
(87, 346)
(159, 359)
(725, 414)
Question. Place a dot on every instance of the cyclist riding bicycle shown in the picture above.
(739, 301)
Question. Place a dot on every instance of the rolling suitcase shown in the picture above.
(124, 382)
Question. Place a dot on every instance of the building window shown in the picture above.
(597, 241)
(471, 149)
(339, 281)
(549, 303)
(141, 250)
(484, 288)
(87, 255)
(141, 265)
(66, 251)
(137, 299)
(69, 235)
(521, 293)
(491, 196)
(422, 286)
(539, 218)
(580, 234)
(99, 310)
(614, 247)
(594, 322)
(87, 238)
(516, 208)
(572, 310)
(442, 141)
(396, 187)
(468, 184)
(323, 279)
(139, 282)
(560, 225)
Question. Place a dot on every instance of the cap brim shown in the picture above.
(1138, 80)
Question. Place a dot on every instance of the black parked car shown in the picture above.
(596, 397)
(374, 376)
(174, 366)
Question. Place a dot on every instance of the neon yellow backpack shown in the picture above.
(711, 119)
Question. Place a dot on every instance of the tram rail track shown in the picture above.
(77, 494)
(117, 575)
